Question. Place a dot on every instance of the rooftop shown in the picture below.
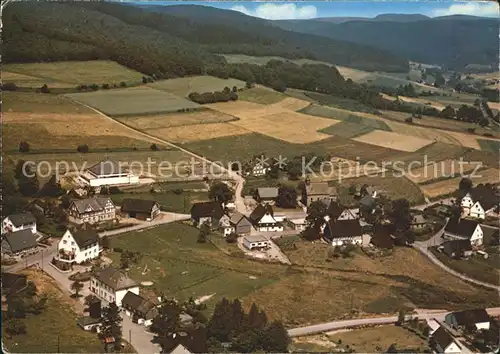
(114, 278)
(320, 188)
(138, 205)
(344, 228)
(106, 168)
(255, 238)
(461, 227)
(22, 219)
(267, 192)
(19, 241)
(85, 238)
(93, 204)
(206, 209)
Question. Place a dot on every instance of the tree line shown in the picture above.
(212, 97)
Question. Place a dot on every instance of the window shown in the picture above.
(72, 243)
(65, 242)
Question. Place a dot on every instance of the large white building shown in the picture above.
(111, 285)
(256, 242)
(91, 210)
(18, 222)
(108, 173)
(78, 246)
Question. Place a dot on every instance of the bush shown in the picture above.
(105, 86)
(24, 146)
(94, 87)
(9, 86)
(154, 147)
(123, 84)
(83, 148)
(114, 190)
(231, 238)
(44, 89)
(177, 191)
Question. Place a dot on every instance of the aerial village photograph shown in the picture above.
(250, 177)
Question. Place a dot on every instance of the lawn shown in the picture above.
(476, 267)
(379, 339)
(490, 145)
(347, 130)
(182, 87)
(263, 182)
(260, 95)
(56, 323)
(133, 101)
(78, 72)
(169, 201)
(181, 267)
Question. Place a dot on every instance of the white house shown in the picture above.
(141, 310)
(468, 320)
(464, 229)
(111, 285)
(344, 232)
(477, 211)
(78, 246)
(256, 242)
(225, 225)
(263, 220)
(479, 201)
(108, 173)
(18, 222)
(91, 210)
(298, 224)
(336, 211)
(444, 342)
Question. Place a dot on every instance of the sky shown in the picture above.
(314, 9)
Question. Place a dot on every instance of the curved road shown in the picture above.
(330, 326)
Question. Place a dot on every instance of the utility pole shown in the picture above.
(58, 343)
(130, 336)
(42, 259)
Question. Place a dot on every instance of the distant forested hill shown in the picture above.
(177, 41)
(452, 41)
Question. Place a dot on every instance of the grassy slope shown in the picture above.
(184, 86)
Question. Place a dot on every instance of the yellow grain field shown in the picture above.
(160, 121)
(494, 105)
(196, 132)
(440, 169)
(293, 104)
(434, 104)
(467, 140)
(353, 74)
(393, 140)
(424, 133)
(444, 187)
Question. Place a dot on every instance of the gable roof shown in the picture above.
(320, 188)
(236, 218)
(114, 278)
(180, 349)
(138, 205)
(456, 246)
(106, 167)
(471, 317)
(267, 192)
(381, 237)
(206, 209)
(94, 204)
(442, 337)
(84, 238)
(461, 227)
(259, 212)
(344, 228)
(139, 304)
(485, 195)
(19, 240)
(22, 219)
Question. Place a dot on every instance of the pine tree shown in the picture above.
(220, 325)
(167, 326)
(112, 324)
(238, 319)
(275, 338)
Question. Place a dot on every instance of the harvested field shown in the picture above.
(393, 140)
(425, 133)
(27, 81)
(133, 101)
(78, 72)
(197, 132)
(261, 95)
(159, 121)
(494, 105)
(467, 140)
(293, 104)
(448, 186)
(182, 87)
(446, 168)
(423, 102)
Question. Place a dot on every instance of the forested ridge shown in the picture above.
(163, 44)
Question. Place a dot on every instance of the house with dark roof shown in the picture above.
(468, 320)
(262, 218)
(111, 285)
(106, 173)
(344, 232)
(443, 342)
(141, 209)
(19, 243)
(78, 246)
(456, 248)
(479, 201)
(93, 210)
(382, 238)
(141, 310)
(319, 191)
(464, 229)
(267, 195)
(240, 223)
(336, 211)
(18, 222)
(206, 212)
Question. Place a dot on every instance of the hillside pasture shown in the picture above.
(489, 145)
(28, 81)
(393, 140)
(77, 72)
(182, 87)
(133, 101)
(445, 187)
(441, 169)
(293, 104)
(260, 94)
(347, 130)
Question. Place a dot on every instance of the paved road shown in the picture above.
(330, 326)
(167, 218)
(436, 240)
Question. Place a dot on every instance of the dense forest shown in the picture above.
(451, 41)
(163, 44)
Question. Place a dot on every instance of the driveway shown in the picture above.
(165, 219)
(138, 336)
